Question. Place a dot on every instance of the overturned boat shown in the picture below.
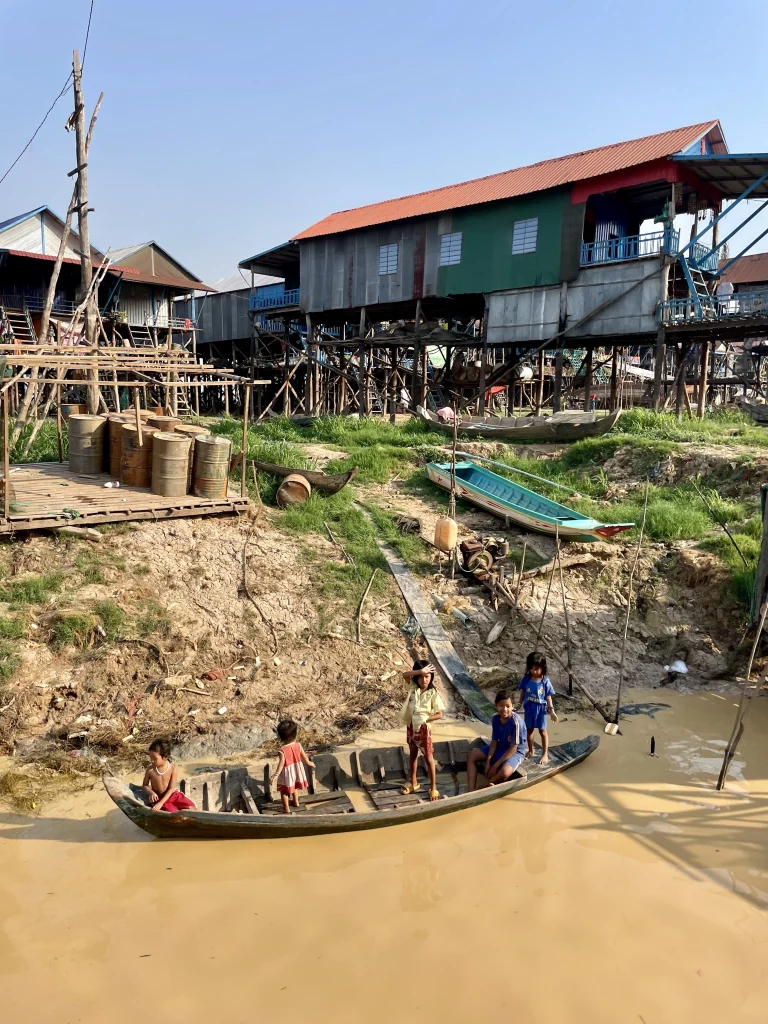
(329, 483)
(562, 426)
(349, 791)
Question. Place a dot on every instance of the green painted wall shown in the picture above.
(487, 263)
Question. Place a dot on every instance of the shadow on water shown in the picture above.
(112, 827)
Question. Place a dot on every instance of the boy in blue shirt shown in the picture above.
(506, 751)
(536, 693)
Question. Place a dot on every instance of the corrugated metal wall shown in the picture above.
(221, 317)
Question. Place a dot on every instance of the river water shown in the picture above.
(625, 890)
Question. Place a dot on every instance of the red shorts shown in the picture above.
(421, 740)
(178, 802)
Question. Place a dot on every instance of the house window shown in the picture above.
(450, 249)
(388, 259)
(524, 236)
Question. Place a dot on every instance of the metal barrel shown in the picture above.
(190, 430)
(73, 409)
(115, 432)
(165, 423)
(211, 466)
(170, 463)
(86, 443)
(135, 460)
(294, 490)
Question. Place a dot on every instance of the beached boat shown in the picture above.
(349, 792)
(330, 483)
(562, 426)
(757, 410)
(511, 501)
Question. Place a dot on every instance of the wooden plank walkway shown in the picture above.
(441, 647)
(45, 495)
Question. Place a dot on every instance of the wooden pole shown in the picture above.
(137, 407)
(244, 464)
(629, 603)
(308, 378)
(557, 389)
(702, 402)
(738, 724)
(682, 356)
(416, 366)
(522, 570)
(588, 377)
(567, 623)
(614, 379)
(393, 356)
(59, 437)
(6, 460)
(86, 265)
(549, 590)
(540, 384)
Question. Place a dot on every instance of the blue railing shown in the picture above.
(717, 307)
(34, 300)
(702, 257)
(290, 297)
(630, 247)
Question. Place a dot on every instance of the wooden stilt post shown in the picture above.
(244, 463)
(416, 365)
(342, 383)
(481, 379)
(308, 378)
(362, 383)
(702, 402)
(557, 390)
(614, 379)
(540, 384)
(588, 377)
(393, 356)
(682, 356)
(6, 460)
(59, 437)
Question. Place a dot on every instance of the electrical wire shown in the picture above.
(58, 97)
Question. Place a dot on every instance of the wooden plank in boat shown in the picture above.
(250, 803)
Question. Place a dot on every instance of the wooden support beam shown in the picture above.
(702, 401)
(588, 376)
(540, 384)
(362, 389)
(557, 389)
(614, 378)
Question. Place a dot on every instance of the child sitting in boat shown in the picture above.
(536, 693)
(161, 780)
(290, 774)
(505, 753)
(422, 706)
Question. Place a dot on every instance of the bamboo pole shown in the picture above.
(244, 468)
(137, 408)
(6, 460)
(738, 724)
(520, 577)
(549, 589)
(59, 437)
(629, 602)
(567, 623)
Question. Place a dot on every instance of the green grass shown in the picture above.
(727, 428)
(12, 628)
(31, 589)
(72, 630)
(10, 660)
(112, 616)
(91, 563)
(44, 448)
(153, 619)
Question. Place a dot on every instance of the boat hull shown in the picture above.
(560, 427)
(441, 475)
(329, 483)
(220, 825)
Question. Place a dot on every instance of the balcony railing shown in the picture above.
(702, 257)
(718, 307)
(290, 297)
(629, 247)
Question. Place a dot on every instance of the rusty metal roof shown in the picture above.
(563, 170)
(129, 274)
(751, 269)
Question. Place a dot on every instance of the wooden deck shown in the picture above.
(45, 495)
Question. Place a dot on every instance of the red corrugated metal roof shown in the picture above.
(128, 273)
(563, 170)
(748, 270)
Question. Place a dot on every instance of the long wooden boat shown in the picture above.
(330, 483)
(562, 426)
(511, 501)
(757, 410)
(349, 792)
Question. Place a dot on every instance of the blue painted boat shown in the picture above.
(511, 501)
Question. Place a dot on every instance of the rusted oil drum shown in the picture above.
(165, 423)
(170, 464)
(73, 409)
(135, 460)
(157, 410)
(211, 466)
(114, 431)
(145, 414)
(190, 430)
(86, 443)
(294, 490)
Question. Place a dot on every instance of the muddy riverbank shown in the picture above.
(637, 890)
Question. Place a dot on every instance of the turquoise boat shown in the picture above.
(513, 502)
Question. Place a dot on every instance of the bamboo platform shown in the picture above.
(45, 495)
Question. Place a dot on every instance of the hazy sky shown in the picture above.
(227, 127)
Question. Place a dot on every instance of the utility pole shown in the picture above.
(86, 266)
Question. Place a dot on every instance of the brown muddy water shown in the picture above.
(626, 890)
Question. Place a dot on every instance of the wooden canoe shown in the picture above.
(562, 426)
(330, 483)
(511, 501)
(237, 803)
(757, 410)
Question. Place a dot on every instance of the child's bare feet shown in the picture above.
(544, 759)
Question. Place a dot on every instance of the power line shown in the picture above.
(58, 97)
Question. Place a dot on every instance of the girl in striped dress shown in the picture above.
(290, 774)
